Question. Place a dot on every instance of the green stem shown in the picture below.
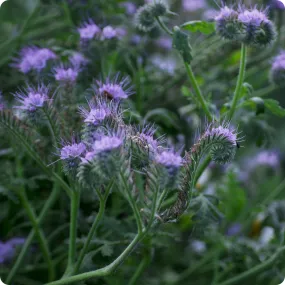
(51, 127)
(105, 271)
(239, 81)
(75, 200)
(39, 233)
(255, 270)
(93, 228)
(202, 168)
(197, 90)
(50, 202)
(163, 26)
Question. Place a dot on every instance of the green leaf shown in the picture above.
(180, 42)
(107, 250)
(203, 27)
(255, 103)
(274, 107)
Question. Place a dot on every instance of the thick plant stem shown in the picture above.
(255, 270)
(202, 168)
(75, 200)
(50, 202)
(197, 90)
(39, 233)
(239, 82)
(93, 229)
(105, 271)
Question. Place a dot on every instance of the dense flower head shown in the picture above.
(144, 19)
(169, 159)
(7, 249)
(223, 131)
(78, 60)
(107, 144)
(33, 58)
(108, 33)
(73, 150)
(277, 72)
(114, 88)
(67, 75)
(88, 30)
(254, 17)
(32, 98)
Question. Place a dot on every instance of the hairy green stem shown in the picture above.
(93, 228)
(197, 90)
(105, 271)
(255, 270)
(39, 233)
(202, 168)
(239, 82)
(163, 26)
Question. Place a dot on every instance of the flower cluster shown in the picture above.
(252, 27)
(33, 59)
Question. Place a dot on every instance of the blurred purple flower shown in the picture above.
(88, 30)
(224, 131)
(164, 42)
(190, 5)
(121, 32)
(78, 60)
(169, 159)
(277, 4)
(130, 7)
(33, 58)
(108, 33)
(166, 64)
(66, 75)
(107, 144)
(267, 158)
(73, 150)
(7, 249)
(253, 17)
(234, 229)
(32, 98)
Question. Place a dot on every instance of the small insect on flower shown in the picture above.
(259, 30)
(114, 88)
(33, 58)
(66, 75)
(277, 72)
(32, 98)
(88, 30)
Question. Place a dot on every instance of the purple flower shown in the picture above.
(277, 72)
(108, 33)
(164, 42)
(224, 131)
(114, 88)
(234, 229)
(73, 150)
(277, 4)
(32, 98)
(253, 17)
(7, 249)
(121, 32)
(130, 7)
(33, 58)
(166, 64)
(267, 158)
(279, 61)
(107, 144)
(77, 60)
(88, 30)
(66, 75)
(190, 5)
(169, 159)
(226, 14)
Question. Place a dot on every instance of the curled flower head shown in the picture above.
(33, 59)
(32, 98)
(7, 249)
(71, 154)
(277, 73)
(66, 75)
(88, 30)
(227, 24)
(78, 60)
(223, 141)
(108, 33)
(259, 30)
(159, 8)
(115, 88)
(144, 19)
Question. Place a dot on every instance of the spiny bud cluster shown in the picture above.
(252, 27)
(145, 16)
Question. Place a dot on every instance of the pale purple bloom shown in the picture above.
(223, 131)
(107, 144)
(108, 33)
(226, 14)
(114, 88)
(279, 62)
(88, 30)
(268, 158)
(198, 246)
(130, 7)
(66, 74)
(193, 5)
(169, 159)
(7, 249)
(210, 14)
(33, 58)
(253, 17)
(73, 150)
(147, 135)
(278, 4)
(77, 60)
(32, 98)
(166, 64)
(121, 32)
(164, 42)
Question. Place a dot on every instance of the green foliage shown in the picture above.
(203, 27)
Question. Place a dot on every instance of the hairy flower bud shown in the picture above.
(144, 18)
(159, 9)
